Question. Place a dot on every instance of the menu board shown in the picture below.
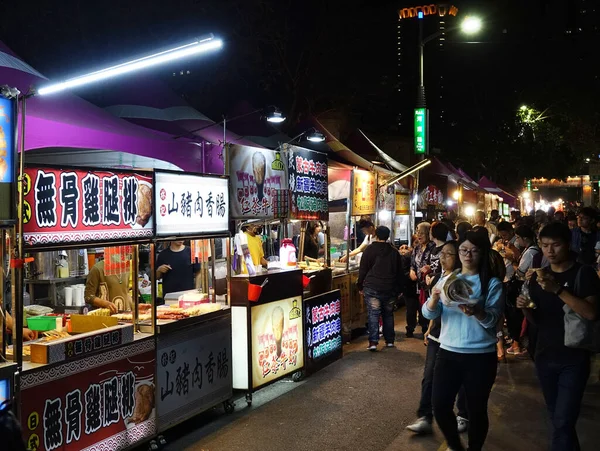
(308, 184)
(74, 205)
(323, 330)
(364, 200)
(95, 403)
(189, 204)
(277, 343)
(256, 176)
(7, 160)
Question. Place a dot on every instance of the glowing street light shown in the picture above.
(471, 25)
(198, 46)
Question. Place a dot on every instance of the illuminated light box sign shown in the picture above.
(364, 199)
(190, 204)
(7, 160)
(421, 130)
(277, 344)
(257, 175)
(96, 403)
(308, 182)
(323, 330)
(74, 205)
(433, 9)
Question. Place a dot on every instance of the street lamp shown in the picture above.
(312, 135)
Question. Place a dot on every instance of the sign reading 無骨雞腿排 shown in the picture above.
(308, 182)
(75, 205)
(323, 330)
(188, 204)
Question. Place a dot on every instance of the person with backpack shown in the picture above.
(564, 289)
(530, 257)
(467, 355)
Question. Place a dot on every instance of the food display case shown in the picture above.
(88, 370)
(193, 322)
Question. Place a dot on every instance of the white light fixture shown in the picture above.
(469, 210)
(315, 137)
(471, 25)
(450, 203)
(276, 117)
(456, 195)
(198, 46)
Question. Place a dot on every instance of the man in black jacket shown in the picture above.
(380, 279)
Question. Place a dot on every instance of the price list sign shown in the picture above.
(308, 184)
(323, 330)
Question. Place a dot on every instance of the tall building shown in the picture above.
(436, 19)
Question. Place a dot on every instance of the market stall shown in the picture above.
(193, 327)
(88, 370)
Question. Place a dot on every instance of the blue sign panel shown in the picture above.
(7, 136)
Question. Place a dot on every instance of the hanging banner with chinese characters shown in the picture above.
(431, 195)
(307, 173)
(386, 201)
(102, 402)
(323, 326)
(364, 201)
(402, 203)
(277, 340)
(7, 160)
(78, 206)
(189, 204)
(256, 176)
(193, 370)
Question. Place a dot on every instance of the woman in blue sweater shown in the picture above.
(467, 355)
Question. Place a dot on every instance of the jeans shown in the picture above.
(425, 405)
(413, 308)
(380, 304)
(563, 385)
(476, 373)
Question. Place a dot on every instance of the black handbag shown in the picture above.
(513, 289)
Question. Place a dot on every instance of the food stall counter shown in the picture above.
(267, 320)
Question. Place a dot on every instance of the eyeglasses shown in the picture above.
(447, 254)
(465, 252)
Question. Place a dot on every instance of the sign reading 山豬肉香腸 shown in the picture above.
(188, 204)
(308, 182)
(257, 176)
(75, 205)
(323, 329)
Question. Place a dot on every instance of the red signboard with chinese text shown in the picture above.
(96, 403)
(74, 205)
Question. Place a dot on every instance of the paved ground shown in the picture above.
(364, 402)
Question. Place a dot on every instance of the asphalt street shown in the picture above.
(366, 400)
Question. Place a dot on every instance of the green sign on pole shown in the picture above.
(421, 124)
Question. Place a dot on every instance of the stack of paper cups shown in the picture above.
(68, 296)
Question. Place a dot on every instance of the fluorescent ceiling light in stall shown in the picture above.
(198, 46)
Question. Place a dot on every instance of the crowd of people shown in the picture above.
(532, 292)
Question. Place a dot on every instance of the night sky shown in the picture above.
(312, 57)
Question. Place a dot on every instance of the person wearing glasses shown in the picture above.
(449, 262)
(420, 268)
(467, 355)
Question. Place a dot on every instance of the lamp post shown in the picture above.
(469, 25)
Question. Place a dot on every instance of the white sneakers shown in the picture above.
(421, 426)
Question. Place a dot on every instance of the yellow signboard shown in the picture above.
(364, 199)
(402, 203)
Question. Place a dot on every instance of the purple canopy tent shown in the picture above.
(146, 101)
(65, 121)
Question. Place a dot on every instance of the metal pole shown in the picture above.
(421, 102)
(225, 156)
